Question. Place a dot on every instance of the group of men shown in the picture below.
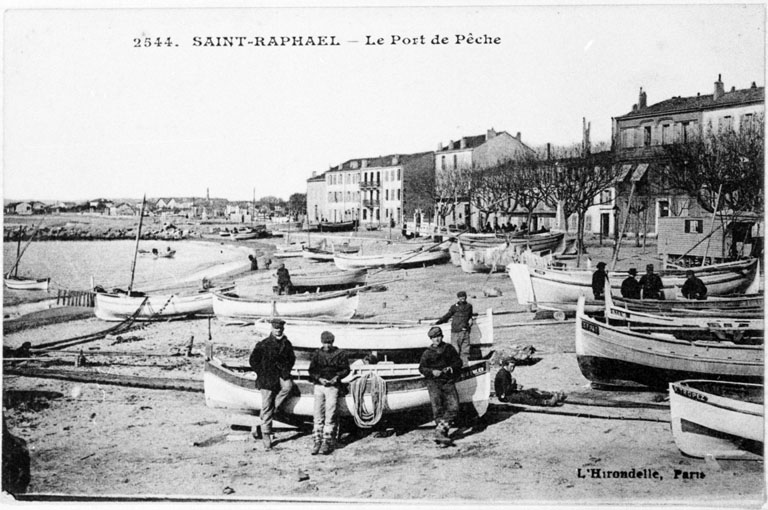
(273, 359)
(650, 285)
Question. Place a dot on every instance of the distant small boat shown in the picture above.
(400, 260)
(168, 254)
(293, 250)
(340, 226)
(328, 280)
(717, 418)
(402, 390)
(342, 304)
(23, 283)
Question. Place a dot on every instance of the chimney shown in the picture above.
(733, 88)
(463, 143)
(754, 85)
(314, 174)
(642, 100)
(450, 145)
(518, 135)
(549, 153)
(439, 146)
(719, 90)
(490, 134)
(364, 163)
(634, 107)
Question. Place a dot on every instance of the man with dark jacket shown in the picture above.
(440, 365)
(327, 367)
(693, 288)
(284, 285)
(460, 314)
(630, 288)
(599, 278)
(651, 285)
(272, 359)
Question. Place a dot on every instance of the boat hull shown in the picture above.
(724, 420)
(118, 307)
(329, 281)
(614, 356)
(392, 260)
(342, 305)
(27, 283)
(398, 342)
(405, 394)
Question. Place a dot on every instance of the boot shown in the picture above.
(328, 444)
(441, 434)
(318, 442)
(266, 438)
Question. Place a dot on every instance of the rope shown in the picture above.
(363, 417)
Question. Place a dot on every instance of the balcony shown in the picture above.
(367, 185)
(370, 204)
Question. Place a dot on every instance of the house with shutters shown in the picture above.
(640, 136)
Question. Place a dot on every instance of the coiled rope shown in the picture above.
(365, 418)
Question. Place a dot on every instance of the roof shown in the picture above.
(377, 162)
(707, 102)
(470, 141)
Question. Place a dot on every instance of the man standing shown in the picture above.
(693, 288)
(630, 289)
(461, 324)
(651, 285)
(327, 367)
(272, 359)
(440, 365)
(598, 281)
(283, 280)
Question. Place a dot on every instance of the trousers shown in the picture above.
(272, 400)
(326, 403)
(460, 342)
(444, 400)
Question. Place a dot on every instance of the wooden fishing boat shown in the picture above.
(486, 260)
(398, 389)
(324, 254)
(713, 319)
(744, 303)
(293, 250)
(717, 418)
(340, 226)
(341, 304)
(115, 306)
(242, 236)
(618, 356)
(401, 260)
(564, 285)
(23, 283)
(399, 342)
(328, 280)
(543, 242)
(168, 254)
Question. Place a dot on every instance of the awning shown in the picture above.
(625, 169)
(639, 172)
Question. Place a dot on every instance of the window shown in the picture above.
(454, 161)
(386, 195)
(747, 120)
(663, 208)
(647, 136)
(684, 132)
(696, 226)
(398, 194)
(666, 134)
(398, 172)
(442, 160)
(378, 178)
(726, 123)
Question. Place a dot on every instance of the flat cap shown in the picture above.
(508, 360)
(461, 293)
(434, 331)
(632, 270)
(601, 264)
(327, 337)
(277, 323)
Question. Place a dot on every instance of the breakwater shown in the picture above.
(85, 232)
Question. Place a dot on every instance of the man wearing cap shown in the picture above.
(327, 367)
(630, 288)
(507, 389)
(650, 284)
(440, 365)
(599, 278)
(272, 359)
(693, 288)
(284, 285)
(461, 314)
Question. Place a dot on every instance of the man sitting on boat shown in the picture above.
(630, 288)
(651, 284)
(598, 281)
(507, 389)
(284, 285)
(327, 367)
(440, 365)
(461, 314)
(272, 359)
(693, 288)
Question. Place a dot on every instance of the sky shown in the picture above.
(87, 114)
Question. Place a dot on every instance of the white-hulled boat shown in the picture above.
(714, 319)
(341, 304)
(328, 280)
(293, 250)
(23, 283)
(112, 306)
(722, 419)
(565, 285)
(618, 356)
(401, 389)
(486, 260)
(401, 260)
(397, 342)
(750, 303)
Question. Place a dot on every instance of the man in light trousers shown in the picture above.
(327, 367)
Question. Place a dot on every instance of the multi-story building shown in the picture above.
(317, 198)
(639, 139)
(476, 151)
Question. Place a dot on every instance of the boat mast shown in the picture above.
(18, 253)
(136, 250)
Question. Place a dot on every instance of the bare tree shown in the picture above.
(451, 188)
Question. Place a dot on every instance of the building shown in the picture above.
(639, 139)
(469, 152)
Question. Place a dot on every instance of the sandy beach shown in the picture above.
(99, 440)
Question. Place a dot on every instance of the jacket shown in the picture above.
(694, 288)
(461, 313)
(652, 286)
(598, 283)
(442, 357)
(329, 364)
(272, 360)
(630, 288)
(504, 384)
